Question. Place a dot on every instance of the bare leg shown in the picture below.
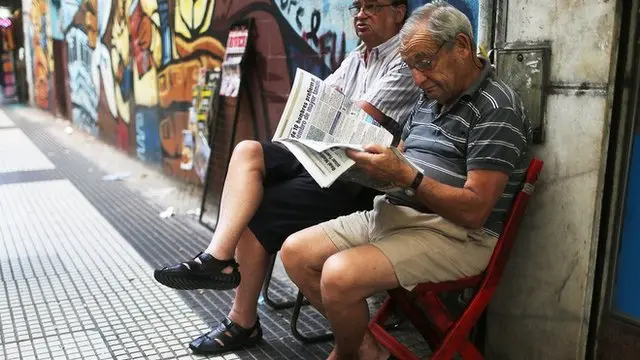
(337, 284)
(241, 197)
(254, 260)
(303, 255)
(348, 278)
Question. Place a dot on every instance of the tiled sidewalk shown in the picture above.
(76, 260)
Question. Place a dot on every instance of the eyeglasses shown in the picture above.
(423, 62)
(368, 9)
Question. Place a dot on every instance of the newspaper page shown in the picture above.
(319, 123)
(231, 71)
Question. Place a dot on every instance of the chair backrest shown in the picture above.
(500, 255)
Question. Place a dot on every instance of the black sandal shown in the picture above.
(207, 274)
(228, 336)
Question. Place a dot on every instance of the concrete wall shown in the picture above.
(541, 310)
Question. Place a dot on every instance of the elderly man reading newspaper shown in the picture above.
(470, 139)
(268, 195)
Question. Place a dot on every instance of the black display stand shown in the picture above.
(241, 63)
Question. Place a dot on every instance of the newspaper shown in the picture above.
(319, 123)
(231, 69)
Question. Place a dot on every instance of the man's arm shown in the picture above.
(494, 148)
(393, 95)
(388, 123)
(469, 206)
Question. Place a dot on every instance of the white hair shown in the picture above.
(443, 22)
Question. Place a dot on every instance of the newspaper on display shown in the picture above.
(319, 123)
(231, 71)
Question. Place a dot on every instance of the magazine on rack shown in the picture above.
(319, 123)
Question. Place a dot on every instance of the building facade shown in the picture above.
(123, 70)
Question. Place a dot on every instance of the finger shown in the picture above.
(374, 148)
(357, 156)
(351, 153)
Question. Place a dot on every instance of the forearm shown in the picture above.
(388, 123)
(461, 206)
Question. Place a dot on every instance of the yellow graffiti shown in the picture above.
(193, 17)
(42, 51)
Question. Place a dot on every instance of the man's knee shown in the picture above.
(306, 250)
(338, 280)
(292, 253)
(249, 152)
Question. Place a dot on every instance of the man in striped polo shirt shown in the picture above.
(268, 195)
(470, 137)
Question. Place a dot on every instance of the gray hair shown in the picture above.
(443, 22)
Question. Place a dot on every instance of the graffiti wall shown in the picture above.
(54, 19)
(42, 52)
(111, 75)
(132, 64)
(190, 46)
(80, 27)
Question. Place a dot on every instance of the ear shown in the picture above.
(401, 11)
(463, 45)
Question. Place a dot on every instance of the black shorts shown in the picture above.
(293, 200)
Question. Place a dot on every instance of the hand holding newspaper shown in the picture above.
(319, 123)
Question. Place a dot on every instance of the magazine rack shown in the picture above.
(236, 68)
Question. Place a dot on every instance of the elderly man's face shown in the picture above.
(376, 21)
(435, 66)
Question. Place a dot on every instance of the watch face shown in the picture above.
(409, 192)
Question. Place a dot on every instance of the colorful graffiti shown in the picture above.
(42, 48)
(194, 47)
(54, 17)
(142, 20)
(7, 61)
(111, 75)
(80, 24)
(132, 64)
(324, 25)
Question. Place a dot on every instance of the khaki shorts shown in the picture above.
(422, 247)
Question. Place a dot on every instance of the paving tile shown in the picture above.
(5, 121)
(76, 258)
(84, 238)
(18, 153)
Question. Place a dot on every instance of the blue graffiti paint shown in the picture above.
(54, 14)
(68, 11)
(84, 99)
(165, 31)
(148, 147)
(299, 59)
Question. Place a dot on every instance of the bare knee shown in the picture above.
(293, 254)
(339, 281)
(249, 153)
(306, 251)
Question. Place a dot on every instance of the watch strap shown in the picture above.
(417, 180)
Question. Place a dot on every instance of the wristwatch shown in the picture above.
(411, 190)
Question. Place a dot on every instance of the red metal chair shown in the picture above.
(447, 336)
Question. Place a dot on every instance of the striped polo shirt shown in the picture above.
(485, 129)
(377, 81)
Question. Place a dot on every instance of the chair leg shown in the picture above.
(265, 290)
(294, 325)
(479, 332)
